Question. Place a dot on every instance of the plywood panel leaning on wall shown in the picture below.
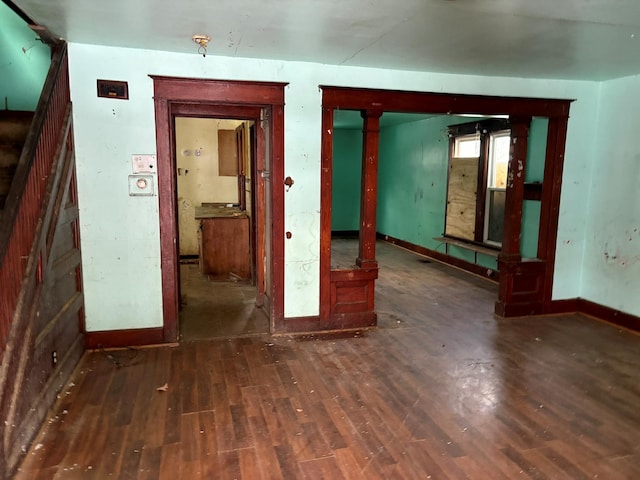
(461, 198)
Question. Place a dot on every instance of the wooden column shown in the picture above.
(520, 288)
(514, 196)
(369, 189)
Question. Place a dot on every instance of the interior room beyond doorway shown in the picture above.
(216, 228)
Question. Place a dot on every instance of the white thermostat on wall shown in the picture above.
(144, 163)
(141, 185)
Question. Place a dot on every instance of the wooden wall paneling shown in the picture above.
(46, 339)
(461, 198)
(352, 291)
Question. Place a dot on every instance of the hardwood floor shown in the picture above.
(441, 390)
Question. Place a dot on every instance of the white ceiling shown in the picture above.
(568, 39)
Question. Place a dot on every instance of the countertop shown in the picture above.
(218, 211)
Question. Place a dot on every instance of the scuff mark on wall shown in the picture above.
(617, 255)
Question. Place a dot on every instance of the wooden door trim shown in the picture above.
(230, 99)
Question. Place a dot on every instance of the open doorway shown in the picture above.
(215, 181)
(525, 284)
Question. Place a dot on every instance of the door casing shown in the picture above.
(258, 101)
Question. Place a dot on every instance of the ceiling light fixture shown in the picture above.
(202, 42)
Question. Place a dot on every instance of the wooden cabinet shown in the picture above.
(224, 245)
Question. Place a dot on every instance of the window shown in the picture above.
(476, 186)
(498, 162)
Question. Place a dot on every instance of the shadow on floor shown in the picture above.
(217, 309)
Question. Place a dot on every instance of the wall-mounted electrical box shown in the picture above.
(144, 163)
(141, 185)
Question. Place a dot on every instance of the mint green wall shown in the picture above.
(24, 63)
(612, 240)
(347, 168)
(412, 180)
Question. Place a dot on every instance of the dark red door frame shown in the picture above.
(223, 99)
(525, 286)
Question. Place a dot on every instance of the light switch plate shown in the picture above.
(141, 185)
(144, 163)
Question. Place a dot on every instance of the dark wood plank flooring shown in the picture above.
(441, 390)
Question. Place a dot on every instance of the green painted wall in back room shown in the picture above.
(24, 63)
(534, 172)
(347, 161)
(412, 183)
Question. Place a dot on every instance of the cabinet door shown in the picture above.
(225, 247)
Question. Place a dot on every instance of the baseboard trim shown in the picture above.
(337, 322)
(479, 270)
(558, 307)
(124, 338)
(595, 310)
(345, 234)
(608, 314)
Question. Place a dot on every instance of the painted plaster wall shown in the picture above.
(347, 172)
(534, 172)
(612, 237)
(120, 234)
(198, 178)
(412, 185)
(24, 63)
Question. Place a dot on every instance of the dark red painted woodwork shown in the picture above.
(520, 291)
(326, 179)
(550, 208)
(516, 275)
(369, 190)
(337, 321)
(515, 189)
(277, 176)
(220, 92)
(124, 338)
(521, 287)
(24, 200)
(41, 308)
(227, 99)
(348, 98)
(596, 310)
(237, 112)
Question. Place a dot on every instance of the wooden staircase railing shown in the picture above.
(22, 216)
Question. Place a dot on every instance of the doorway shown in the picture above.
(525, 285)
(215, 181)
(263, 104)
